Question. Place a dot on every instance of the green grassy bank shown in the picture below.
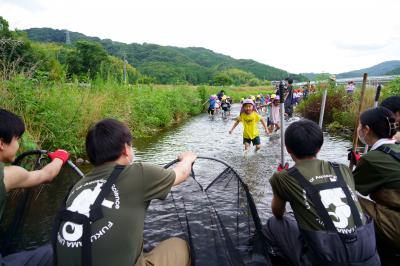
(58, 115)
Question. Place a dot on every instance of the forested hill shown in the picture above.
(395, 71)
(167, 64)
(384, 68)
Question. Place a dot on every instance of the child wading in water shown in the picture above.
(275, 114)
(249, 117)
(211, 107)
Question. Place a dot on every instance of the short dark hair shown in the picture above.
(381, 121)
(289, 80)
(11, 126)
(105, 141)
(392, 103)
(304, 138)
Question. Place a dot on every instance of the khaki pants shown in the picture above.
(387, 230)
(171, 252)
(386, 221)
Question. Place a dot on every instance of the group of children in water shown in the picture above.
(331, 223)
(252, 111)
(219, 104)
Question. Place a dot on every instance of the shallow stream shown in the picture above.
(209, 137)
(204, 135)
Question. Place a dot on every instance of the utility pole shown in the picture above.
(125, 69)
(67, 38)
(322, 111)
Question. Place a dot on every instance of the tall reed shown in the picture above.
(59, 114)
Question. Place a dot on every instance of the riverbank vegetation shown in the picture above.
(341, 108)
(59, 114)
(60, 90)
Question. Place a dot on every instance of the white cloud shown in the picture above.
(297, 36)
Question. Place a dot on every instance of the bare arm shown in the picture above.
(278, 206)
(234, 125)
(264, 125)
(184, 167)
(18, 177)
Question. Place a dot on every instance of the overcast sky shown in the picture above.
(298, 36)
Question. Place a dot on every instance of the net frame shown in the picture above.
(228, 245)
(14, 229)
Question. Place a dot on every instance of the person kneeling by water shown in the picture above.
(103, 216)
(12, 177)
(377, 175)
(329, 227)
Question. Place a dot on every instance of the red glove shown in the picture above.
(353, 156)
(280, 167)
(60, 154)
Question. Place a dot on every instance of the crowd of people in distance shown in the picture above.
(219, 103)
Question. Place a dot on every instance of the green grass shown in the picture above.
(244, 92)
(59, 114)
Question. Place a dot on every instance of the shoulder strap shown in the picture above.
(388, 150)
(95, 214)
(312, 192)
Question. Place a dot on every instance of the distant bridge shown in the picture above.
(372, 80)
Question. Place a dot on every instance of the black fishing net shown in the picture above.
(214, 211)
(29, 213)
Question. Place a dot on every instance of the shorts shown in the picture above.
(255, 141)
(172, 251)
(211, 111)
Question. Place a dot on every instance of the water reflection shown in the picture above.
(210, 137)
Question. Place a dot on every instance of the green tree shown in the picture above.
(4, 31)
(222, 79)
(254, 82)
(18, 55)
(163, 72)
(114, 70)
(235, 76)
(322, 77)
(86, 59)
(393, 87)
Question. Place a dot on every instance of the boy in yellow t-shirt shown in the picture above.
(249, 117)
